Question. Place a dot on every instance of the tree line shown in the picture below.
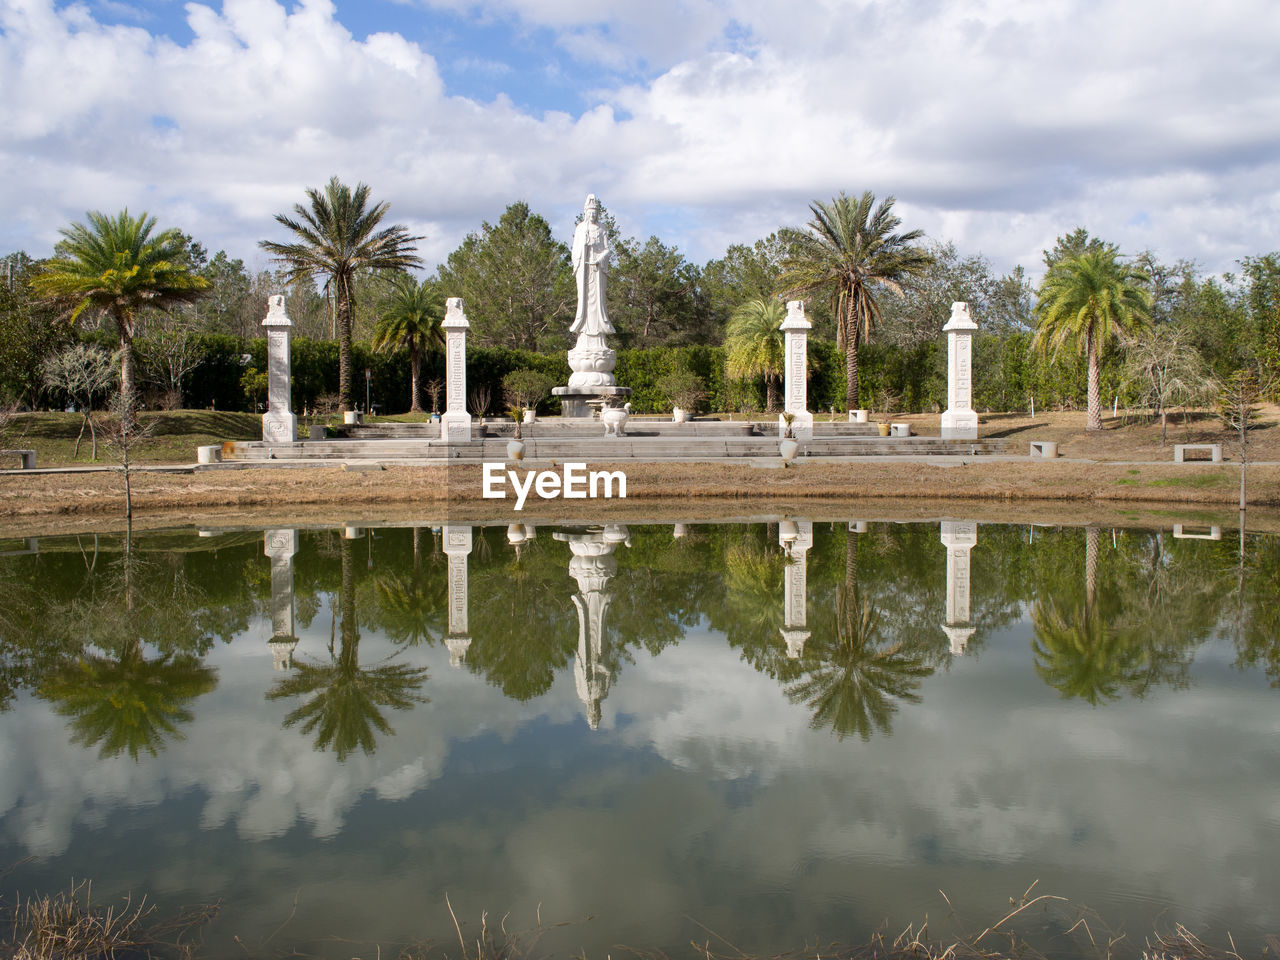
(1101, 323)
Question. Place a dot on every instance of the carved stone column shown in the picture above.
(593, 566)
(457, 547)
(959, 537)
(279, 425)
(280, 546)
(455, 423)
(796, 538)
(959, 422)
(796, 368)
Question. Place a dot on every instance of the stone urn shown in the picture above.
(788, 447)
(615, 420)
(515, 449)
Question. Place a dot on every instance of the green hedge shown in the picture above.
(1006, 374)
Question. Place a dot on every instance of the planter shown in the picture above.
(515, 449)
(883, 428)
(788, 447)
(678, 415)
(530, 416)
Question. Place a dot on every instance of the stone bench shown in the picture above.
(1044, 449)
(1182, 532)
(212, 453)
(28, 457)
(1214, 450)
(899, 429)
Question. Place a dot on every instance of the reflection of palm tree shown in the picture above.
(1079, 654)
(127, 702)
(346, 702)
(853, 678)
(411, 607)
(754, 580)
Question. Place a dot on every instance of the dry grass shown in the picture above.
(1124, 464)
(70, 926)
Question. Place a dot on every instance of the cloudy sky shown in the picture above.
(998, 125)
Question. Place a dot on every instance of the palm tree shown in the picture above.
(338, 237)
(411, 318)
(1085, 300)
(849, 252)
(114, 267)
(754, 342)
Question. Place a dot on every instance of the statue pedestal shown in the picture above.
(575, 402)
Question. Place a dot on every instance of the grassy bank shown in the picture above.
(1126, 466)
(174, 436)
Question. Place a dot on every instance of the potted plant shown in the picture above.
(685, 390)
(515, 446)
(524, 389)
(788, 446)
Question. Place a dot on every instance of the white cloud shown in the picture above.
(998, 125)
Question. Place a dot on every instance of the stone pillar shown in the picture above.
(455, 423)
(593, 566)
(959, 537)
(960, 422)
(796, 367)
(281, 546)
(796, 538)
(457, 547)
(279, 425)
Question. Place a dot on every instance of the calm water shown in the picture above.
(780, 732)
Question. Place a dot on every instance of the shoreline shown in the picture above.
(996, 488)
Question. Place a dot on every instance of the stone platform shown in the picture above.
(560, 440)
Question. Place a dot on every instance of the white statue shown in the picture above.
(591, 255)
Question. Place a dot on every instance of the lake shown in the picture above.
(776, 733)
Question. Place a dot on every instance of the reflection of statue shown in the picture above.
(591, 256)
(593, 566)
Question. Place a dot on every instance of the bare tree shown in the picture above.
(83, 373)
(1168, 370)
(124, 432)
(170, 351)
(1237, 406)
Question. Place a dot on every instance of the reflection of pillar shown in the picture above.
(455, 424)
(593, 566)
(280, 546)
(795, 329)
(457, 547)
(795, 537)
(959, 537)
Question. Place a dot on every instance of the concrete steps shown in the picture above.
(636, 427)
(600, 449)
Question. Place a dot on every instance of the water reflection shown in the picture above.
(344, 701)
(795, 691)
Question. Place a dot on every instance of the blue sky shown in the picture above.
(997, 124)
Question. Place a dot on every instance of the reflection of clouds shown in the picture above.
(990, 782)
